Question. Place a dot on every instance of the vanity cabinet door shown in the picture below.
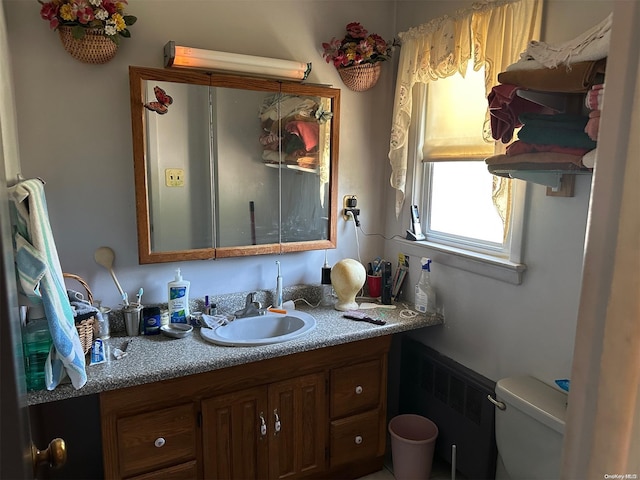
(235, 435)
(297, 426)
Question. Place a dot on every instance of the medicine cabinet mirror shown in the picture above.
(232, 166)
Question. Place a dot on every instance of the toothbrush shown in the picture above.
(139, 296)
(278, 288)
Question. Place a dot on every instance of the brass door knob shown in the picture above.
(54, 456)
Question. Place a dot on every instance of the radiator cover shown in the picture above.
(455, 399)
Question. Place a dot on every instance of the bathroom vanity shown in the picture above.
(183, 408)
(309, 413)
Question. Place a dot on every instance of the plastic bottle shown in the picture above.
(326, 287)
(179, 299)
(425, 301)
(36, 343)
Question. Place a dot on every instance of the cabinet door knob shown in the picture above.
(358, 439)
(263, 426)
(159, 442)
(359, 390)
(277, 424)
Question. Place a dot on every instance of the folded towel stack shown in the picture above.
(552, 139)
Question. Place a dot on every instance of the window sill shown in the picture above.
(478, 263)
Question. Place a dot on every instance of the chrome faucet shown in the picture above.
(251, 307)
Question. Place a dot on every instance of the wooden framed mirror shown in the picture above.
(232, 166)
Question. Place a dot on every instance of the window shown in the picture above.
(460, 208)
(465, 208)
(491, 34)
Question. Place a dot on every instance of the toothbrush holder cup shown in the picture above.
(132, 319)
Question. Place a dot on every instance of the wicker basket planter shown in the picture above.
(360, 78)
(94, 47)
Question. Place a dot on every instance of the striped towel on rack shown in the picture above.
(40, 278)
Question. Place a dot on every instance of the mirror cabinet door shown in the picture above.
(247, 195)
(232, 166)
(179, 180)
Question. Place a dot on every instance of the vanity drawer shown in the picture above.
(355, 438)
(355, 388)
(177, 472)
(151, 441)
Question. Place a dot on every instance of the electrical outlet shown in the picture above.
(349, 202)
(174, 177)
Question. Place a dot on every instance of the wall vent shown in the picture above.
(455, 399)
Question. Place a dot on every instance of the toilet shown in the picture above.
(530, 429)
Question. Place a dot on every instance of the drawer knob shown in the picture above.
(359, 390)
(358, 439)
(159, 442)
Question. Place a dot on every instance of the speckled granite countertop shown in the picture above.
(158, 357)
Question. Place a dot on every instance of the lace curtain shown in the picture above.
(494, 32)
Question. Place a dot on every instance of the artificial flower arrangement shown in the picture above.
(106, 16)
(357, 47)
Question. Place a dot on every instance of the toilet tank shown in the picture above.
(529, 432)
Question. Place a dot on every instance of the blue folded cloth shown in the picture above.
(82, 309)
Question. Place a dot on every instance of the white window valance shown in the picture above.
(493, 32)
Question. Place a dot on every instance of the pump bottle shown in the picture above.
(179, 299)
(425, 295)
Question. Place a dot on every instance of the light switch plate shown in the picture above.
(174, 177)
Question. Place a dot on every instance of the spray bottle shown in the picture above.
(425, 295)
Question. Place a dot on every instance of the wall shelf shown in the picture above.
(559, 183)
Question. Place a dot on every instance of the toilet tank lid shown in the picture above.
(535, 398)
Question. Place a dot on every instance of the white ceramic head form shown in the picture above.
(347, 277)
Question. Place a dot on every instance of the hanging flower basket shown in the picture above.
(94, 47)
(360, 77)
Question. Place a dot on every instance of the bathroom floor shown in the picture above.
(439, 471)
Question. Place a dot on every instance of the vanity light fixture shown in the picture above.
(188, 57)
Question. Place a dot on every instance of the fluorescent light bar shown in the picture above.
(187, 57)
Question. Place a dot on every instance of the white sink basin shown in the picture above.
(261, 330)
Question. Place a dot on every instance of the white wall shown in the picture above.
(74, 130)
(496, 328)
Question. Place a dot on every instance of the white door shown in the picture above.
(16, 454)
(15, 450)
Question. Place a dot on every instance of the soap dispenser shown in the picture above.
(179, 299)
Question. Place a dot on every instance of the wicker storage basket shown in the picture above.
(94, 47)
(360, 77)
(87, 328)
